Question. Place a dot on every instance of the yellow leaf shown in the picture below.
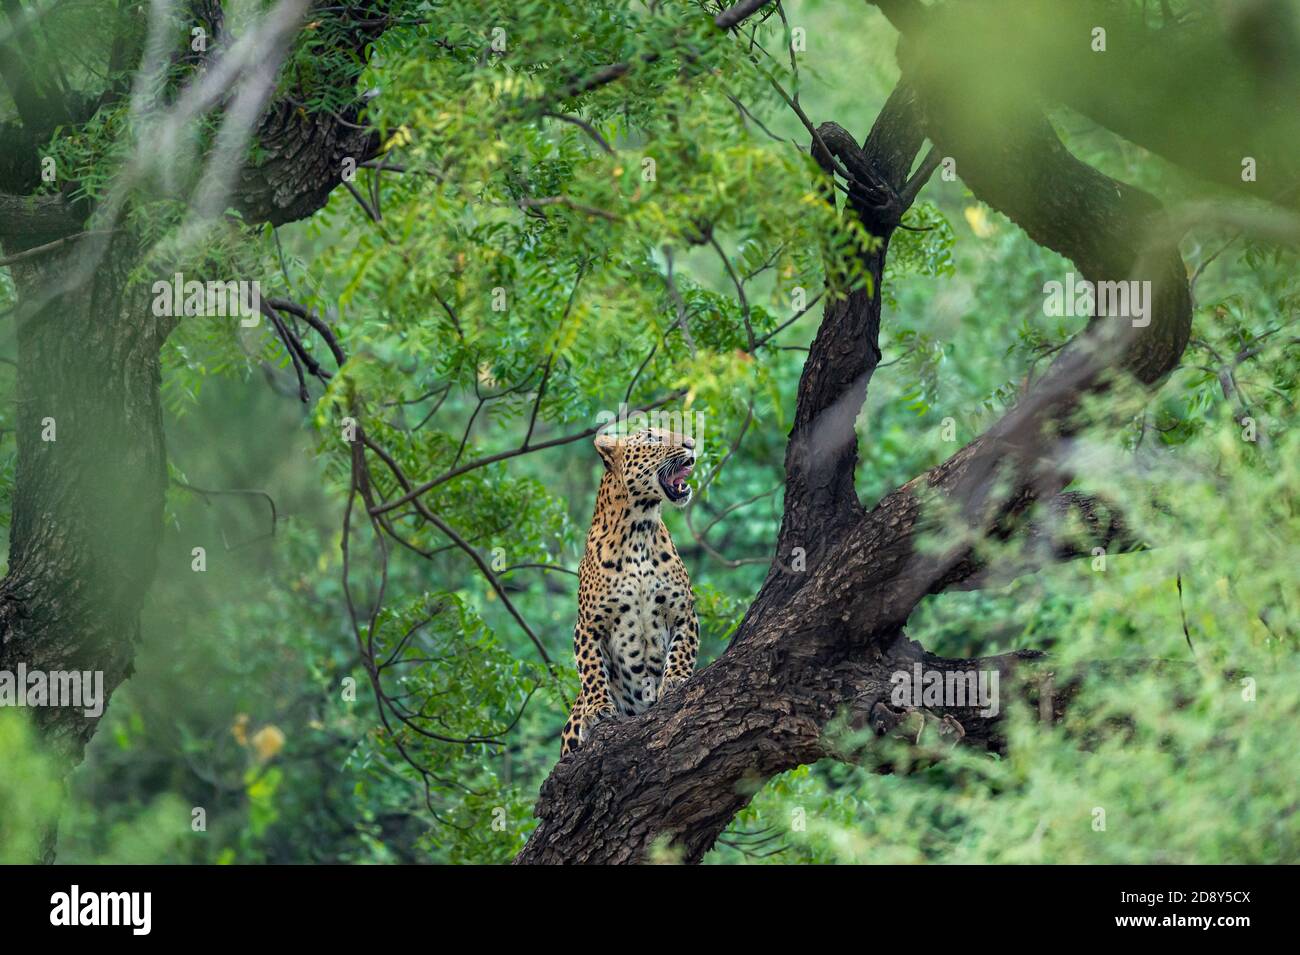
(268, 741)
(979, 222)
(400, 138)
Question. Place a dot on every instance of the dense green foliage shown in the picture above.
(517, 250)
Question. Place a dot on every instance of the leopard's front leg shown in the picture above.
(684, 647)
(582, 719)
(595, 704)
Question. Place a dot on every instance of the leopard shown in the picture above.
(637, 634)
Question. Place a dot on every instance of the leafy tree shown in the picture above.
(479, 231)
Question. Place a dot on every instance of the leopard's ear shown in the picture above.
(610, 450)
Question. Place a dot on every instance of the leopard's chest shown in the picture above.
(638, 641)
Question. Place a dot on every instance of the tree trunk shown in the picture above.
(90, 481)
(92, 467)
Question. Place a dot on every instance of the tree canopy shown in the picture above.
(324, 550)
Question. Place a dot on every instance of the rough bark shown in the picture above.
(303, 152)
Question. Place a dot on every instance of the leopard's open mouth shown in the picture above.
(672, 478)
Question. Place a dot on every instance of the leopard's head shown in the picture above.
(652, 464)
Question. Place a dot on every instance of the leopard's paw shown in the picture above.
(593, 718)
(670, 684)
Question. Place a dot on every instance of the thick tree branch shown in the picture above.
(822, 452)
(1206, 93)
(27, 222)
(1070, 526)
(731, 16)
